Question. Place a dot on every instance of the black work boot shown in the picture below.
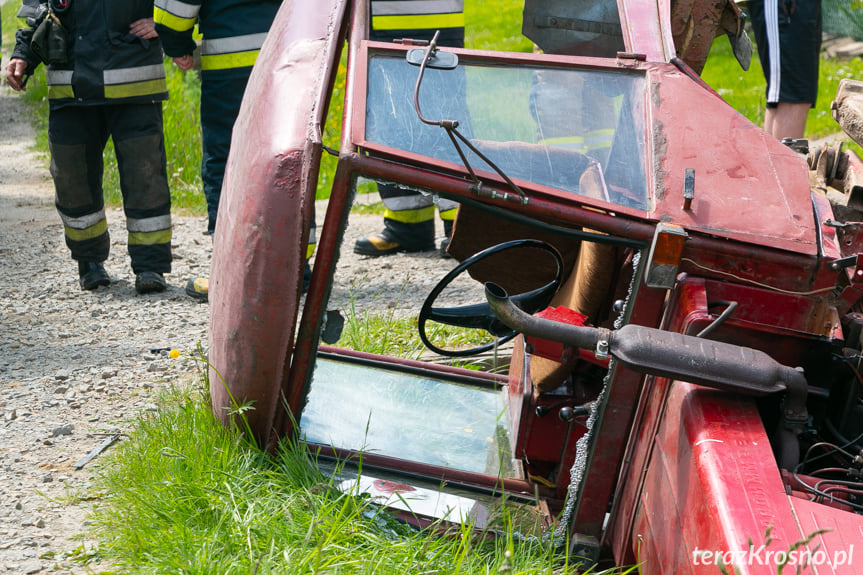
(150, 282)
(198, 288)
(92, 275)
(398, 237)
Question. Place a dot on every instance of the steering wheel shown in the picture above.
(480, 316)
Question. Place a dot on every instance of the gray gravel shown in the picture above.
(78, 367)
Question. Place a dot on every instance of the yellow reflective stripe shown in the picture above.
(57, 92)
(448, 215)
(562, 141)
(149, 238)
(89, 233)
(59, 84)
(148, 88)
(224, 61)
(418, 22)
(168, 20)
(599, 139)
(411, 216)
(310, 247)
(600, 132)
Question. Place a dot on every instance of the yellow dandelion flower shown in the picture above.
(174, 354)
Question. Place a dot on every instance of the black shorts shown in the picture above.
(788, 35)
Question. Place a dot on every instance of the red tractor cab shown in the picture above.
(667, 371)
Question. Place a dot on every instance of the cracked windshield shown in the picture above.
(576, 130)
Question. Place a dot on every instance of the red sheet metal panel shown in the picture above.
(748, 186)
(265, 211)
(841, 543)
(647, 29)
(712, 487)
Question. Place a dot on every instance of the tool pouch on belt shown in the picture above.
(49, 41)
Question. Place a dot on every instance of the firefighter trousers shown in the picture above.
(77, 136)
(221, 96)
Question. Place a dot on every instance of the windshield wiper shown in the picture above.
(451, 127)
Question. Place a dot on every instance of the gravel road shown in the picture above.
(77, 367)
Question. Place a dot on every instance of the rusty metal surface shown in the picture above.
(848, 108)
(260, 242)
(696, 23)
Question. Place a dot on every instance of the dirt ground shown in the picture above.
(77, 368)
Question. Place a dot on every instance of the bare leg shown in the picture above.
(786, 120)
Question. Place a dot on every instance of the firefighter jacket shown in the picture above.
(419, 19)
(106, 63)
(233, 31)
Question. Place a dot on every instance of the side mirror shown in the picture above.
(439, 59)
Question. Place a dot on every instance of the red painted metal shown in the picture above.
(614, 430)
(266, 211)
(711, 487)
(739, 169)
(652, 35)
(707, 488)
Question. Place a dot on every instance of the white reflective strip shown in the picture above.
(413, 7)
(233, 44)
(137, 74)
(156, 224)
(771, 21)
(445, 205)
(405, 203)
(179, 9)
(58, 77)
(83, 222)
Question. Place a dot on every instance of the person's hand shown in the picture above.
(15, 70)
(144, 28)
(184, 63)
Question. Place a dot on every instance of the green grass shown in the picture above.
(386, 333)
(183, 494)
(745, 91)
(380, 333)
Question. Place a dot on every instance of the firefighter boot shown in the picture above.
(198, 288)
(150, 282)
(398, 237)
(92, 275)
